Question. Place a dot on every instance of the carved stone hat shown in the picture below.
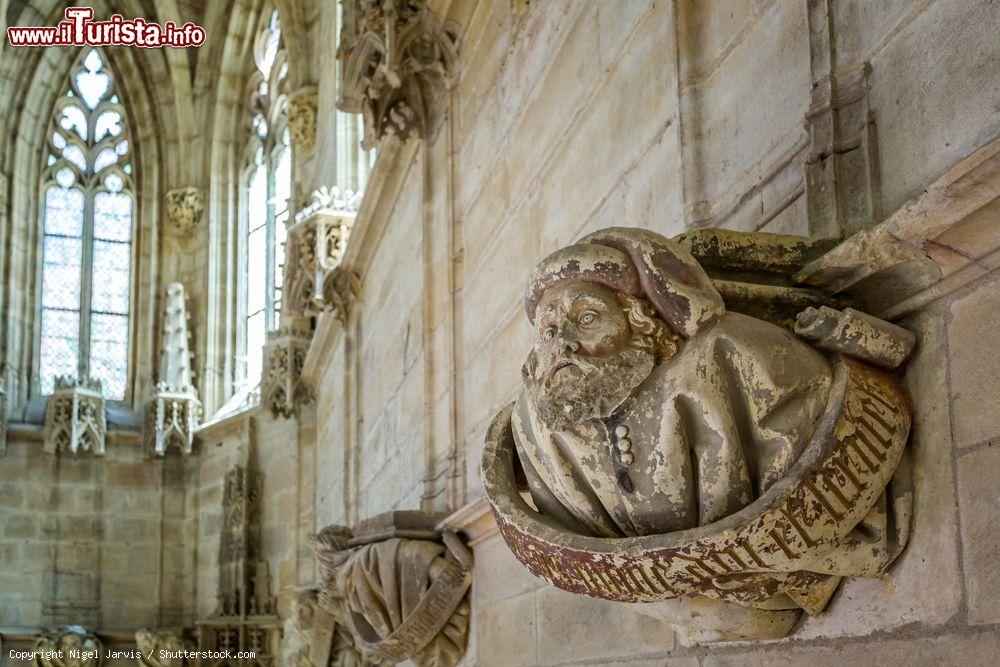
(638, 262)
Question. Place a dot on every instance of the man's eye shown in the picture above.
(588, 318)
(549, 333)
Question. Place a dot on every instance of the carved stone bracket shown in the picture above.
(318, 240)
(380, 564)
(174, 411)
(185, 207)
(397, 61)
(75, 418)
(302, 112)
(283, 390)
(68, 645)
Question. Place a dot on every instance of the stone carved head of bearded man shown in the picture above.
(605, 312)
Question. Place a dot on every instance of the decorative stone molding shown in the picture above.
(69, 645)
(160, 648)
(185, 207)
(317, 242)
(75, 418)
(397, 62)
(283, 390)
(738, 540)
(396, 560)
(302, 112)
(245, 618)
(175, 410)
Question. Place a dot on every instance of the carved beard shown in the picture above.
(592, 390)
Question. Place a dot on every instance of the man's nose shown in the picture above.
(568, 338)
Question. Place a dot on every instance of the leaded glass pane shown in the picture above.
(61, 272)
(59, 141)
(74, 119)
(74, 154)
(104, 159)
(109, 122)
(64, 211)
(256, 270)
(109, 353)
(111, 277)
(255, 346)
(60, 349)
(93, 84)
(257, 199)
(112, 215)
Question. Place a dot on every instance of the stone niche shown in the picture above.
(393, 588)
(701, 436)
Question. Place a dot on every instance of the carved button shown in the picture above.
(627, 458)
(621, 430)
(624, 444)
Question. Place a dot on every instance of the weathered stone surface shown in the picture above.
(975, 376)
(979, 509)
(574, 627)
(511, 624)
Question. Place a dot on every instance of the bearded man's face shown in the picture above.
(586, 357)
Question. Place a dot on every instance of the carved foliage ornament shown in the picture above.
(713, 453)
(301, 113)
(185, 207)
(75, 418)
(397, 62)
(68, 646)
(393, 589)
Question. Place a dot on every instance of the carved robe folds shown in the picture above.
(677, 451)
(396, 590)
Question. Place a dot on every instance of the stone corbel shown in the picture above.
(397, 61)
(283, 390)
(411, 553)
(75, 418)
(318, 240)
(185, 207)
(302, 113)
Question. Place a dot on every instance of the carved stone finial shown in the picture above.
(68, 645)
(283, 390)
(397, 61)
(302, 112)
(317, 242)
(397, 560)
(185, 207)
(75, 418)
(174, 411)
(755, 515)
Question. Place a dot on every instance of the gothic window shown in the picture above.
(87, 208)
(266, 190)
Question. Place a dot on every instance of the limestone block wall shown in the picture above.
(90, 541)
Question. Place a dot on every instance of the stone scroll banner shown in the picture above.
(762, 551)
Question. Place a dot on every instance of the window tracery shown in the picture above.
(266, 191)
(88, 203)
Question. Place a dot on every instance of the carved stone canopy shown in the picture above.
(185, 207)
(713, 453)
(365, 611)
(68, 646)
(397, 62)
(75, 417)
